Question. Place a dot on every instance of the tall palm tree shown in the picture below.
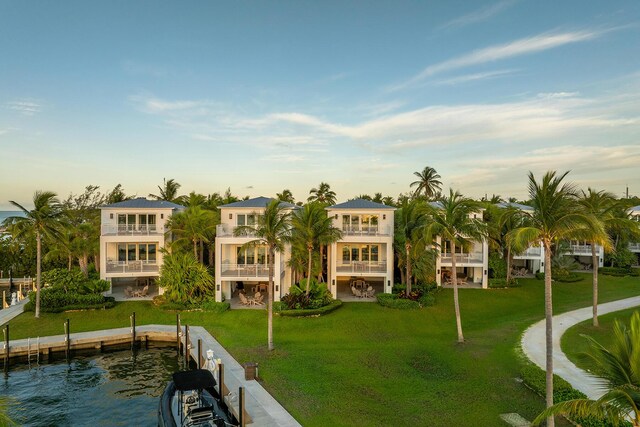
(168, 191)
(556, 215)
(286, 196)
(428, 183)
(619, 368)
(600, 204)
(322, 194)
(312, 226)
(409, 220)
(453, 219)
(43, 221)
(193, 225)
(273, 230)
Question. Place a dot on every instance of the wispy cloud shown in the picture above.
(27, 107)
(474, 77)
(511, 49)
(137, 68)
(478, 15)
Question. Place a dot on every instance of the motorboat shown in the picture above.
(191, 399)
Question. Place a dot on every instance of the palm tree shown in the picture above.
(619, 368)
(184, 279)
(409, 221)
(600, 204)
(453, 220)
(286, 196)
(168, 192)
(428, 183)
(43, 221)
(312, 226)
(322, 194)
(193, 225)
(556, 215)
(273, 230)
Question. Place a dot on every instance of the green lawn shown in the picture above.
(573, 344)
(368, 365)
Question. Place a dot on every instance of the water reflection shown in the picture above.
(110, 389)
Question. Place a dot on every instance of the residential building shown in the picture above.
(532, 259)
(634, 247)
(239, 267)
(472, 263)
(365, 250)
(132, 234)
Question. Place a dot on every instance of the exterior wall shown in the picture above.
(359, 236)
(535, 255)
(476, 258)
(635, 246)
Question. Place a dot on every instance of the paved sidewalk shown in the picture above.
(7, 314)
(533, 345)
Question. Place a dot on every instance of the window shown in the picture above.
(241, 219)
(374, 253)
(142, 252)
(131, 252)
(251, 255)
(346, 254)
(365, 252)
(151, 252)
(122, 252)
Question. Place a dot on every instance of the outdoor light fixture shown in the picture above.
(336, 217)
(110, 216)
(384, 216)
(230, 216)
(485, 272)
(437, 271)
(161, 216)
(217, 287)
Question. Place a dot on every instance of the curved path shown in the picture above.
(533, 345)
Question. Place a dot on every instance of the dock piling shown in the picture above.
(67, 338)
(178, 332)
(199, 353)
(6, 347)
(133, 330)
(242, 420)
(187, 347)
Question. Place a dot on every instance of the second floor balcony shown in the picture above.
(581, 249)
(362, 267)
(634, 247)
(245, 270)
(463, 258)
(132, 230)
(531, 252)
(364, 230)
(140, 267)
(226, 230)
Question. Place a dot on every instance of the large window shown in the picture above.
(133, 222)
(360, 223)
(137, 252)
(365, 253)
(257, 255)
(247, 219)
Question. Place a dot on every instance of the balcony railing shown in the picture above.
(470, 258)
(226, 230)
(132, 267)
(581, 249)
(245, 270)
(533, 251)
(131, 230)
(373, 230)
(634, 247)
(363, 267)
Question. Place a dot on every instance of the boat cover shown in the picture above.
(198, 379)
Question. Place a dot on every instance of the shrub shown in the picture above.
(296, 299)
(560, 276)
(94, 286)
(540, 275)
(56, 301)
(623, 257)
(68, 280)
(502, 283)
(184, 279)
(213, 306)
(392, 301)
(282, 311)
(497, 266)
(427, 300)
(618, 271)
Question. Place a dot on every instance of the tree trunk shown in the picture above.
(548, 310)
(38, 271)
(195, 248)
(201, 252)
(96, 261)
(211, 258)
(594, 261)
(83, 262)
(456, 305)
(69, 262)
(270, 300)
(310, 250)
(508, 264)
(407, 248)
(321, 274)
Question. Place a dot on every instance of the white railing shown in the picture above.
(245, 270)
(475, 258)
(363, 267)
(132, 267)
(533, 251)
(226, 230)
(131, 230)
(372, 230)
(580, 249)
(634, 247)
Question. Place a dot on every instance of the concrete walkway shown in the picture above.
(533, 345)
(7, 314)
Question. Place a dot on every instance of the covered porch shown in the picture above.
(137, 284)
(344, 293)
(466, 276)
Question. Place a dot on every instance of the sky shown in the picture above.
(262, 96)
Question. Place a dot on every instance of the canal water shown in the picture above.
(120, 388)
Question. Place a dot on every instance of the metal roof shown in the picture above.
(256, 203)
(514, 205)
(143, 203)
(360, 204)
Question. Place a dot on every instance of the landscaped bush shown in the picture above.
(502, 283)
(393, 301)
(297, 299)
(69, 280)
(56, 300)
(423, 294)
(497, 266)
(206, 305)
(280, 308)
(619, 271)
(561, 276)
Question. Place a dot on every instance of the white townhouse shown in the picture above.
(472, 264)
(634, 247)
(532, 259)
(248, 268)
(365, 251)
(132, 234)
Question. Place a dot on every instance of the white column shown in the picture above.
(218, 267)
(485, 264)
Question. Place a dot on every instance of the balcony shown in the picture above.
(470, 258)
(141, 267)
(132, 230)
(581, 250)
(531, 252)
(363, 267)
(634, 247)
(245, 270)
(226, 230)
(373, 230)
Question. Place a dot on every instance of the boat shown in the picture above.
(191, 399)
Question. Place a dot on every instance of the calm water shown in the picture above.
(109, 389)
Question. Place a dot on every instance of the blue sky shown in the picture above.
(262, 96)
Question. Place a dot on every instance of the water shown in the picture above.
(110, 389)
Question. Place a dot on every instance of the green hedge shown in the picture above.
(57, 302)
(567, 278)
(619, 271)
(278, 307)
(535, 378)
(392, 301)
(207, 305)
(502, 283)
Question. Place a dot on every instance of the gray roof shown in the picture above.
(514, 205)
(360, 204)
(257, 203)
(143, 203)
(635, 208)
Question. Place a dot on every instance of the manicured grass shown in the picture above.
(368, 365)
(573, 343)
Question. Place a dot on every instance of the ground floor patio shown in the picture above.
(136, 285)
(344, 283)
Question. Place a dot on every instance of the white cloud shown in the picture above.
(538, 43)
(478, 15)
(25, 107)
(474, 77)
